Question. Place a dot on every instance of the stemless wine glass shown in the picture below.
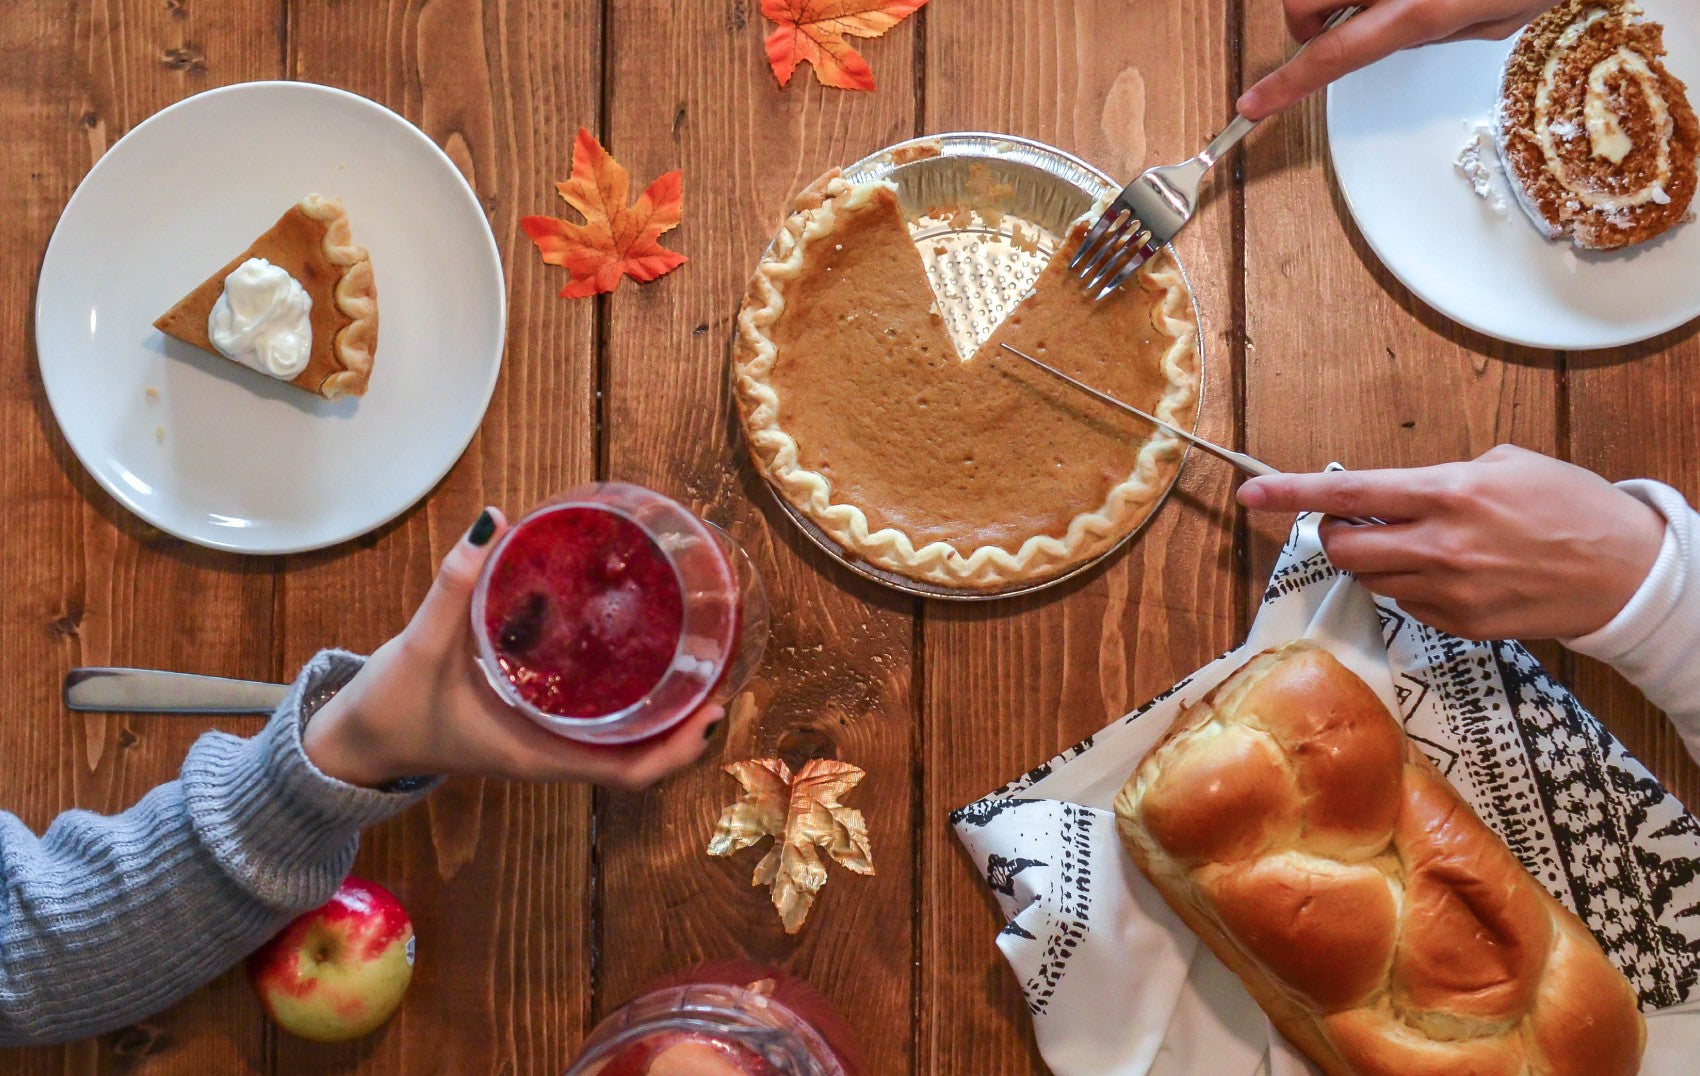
(612, 613)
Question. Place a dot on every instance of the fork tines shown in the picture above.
(1112, 251)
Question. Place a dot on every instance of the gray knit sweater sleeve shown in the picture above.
(104, 920)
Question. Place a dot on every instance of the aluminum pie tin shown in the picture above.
(1012, 201)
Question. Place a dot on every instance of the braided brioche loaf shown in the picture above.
(1379, 923)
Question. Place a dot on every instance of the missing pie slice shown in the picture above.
(979, 473)
(316, 328)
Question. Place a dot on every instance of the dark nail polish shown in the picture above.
(711, 728)
(482, 529)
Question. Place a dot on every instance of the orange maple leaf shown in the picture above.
(615, 239)
(814, 30)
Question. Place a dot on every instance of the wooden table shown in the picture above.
(541, 909)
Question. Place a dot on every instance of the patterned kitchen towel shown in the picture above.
(1586, 819)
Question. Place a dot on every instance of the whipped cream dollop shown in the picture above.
(261, 320)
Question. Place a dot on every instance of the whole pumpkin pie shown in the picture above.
(299, 304)
(976, 473)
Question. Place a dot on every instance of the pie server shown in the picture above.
(1249, 464)
(154, 691)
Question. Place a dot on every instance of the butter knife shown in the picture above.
(1249, 464)
(154, 691)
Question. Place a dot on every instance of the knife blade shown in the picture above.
(155, 691)
(1249, 464)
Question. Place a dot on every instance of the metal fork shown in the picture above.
(1149, 211)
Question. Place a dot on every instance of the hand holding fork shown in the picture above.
(1148, 212)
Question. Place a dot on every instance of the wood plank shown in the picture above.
(689, 87)
(44, 757)
(1383, 381)
(1008, 685)
(85, 582)
(495, 876)
(1632, 415)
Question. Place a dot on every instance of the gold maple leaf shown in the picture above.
(804, 817)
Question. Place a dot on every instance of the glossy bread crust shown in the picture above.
(1381, 925)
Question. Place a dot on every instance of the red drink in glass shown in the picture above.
(611, 614)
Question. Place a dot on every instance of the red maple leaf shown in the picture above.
(615, 239)
(814, 30)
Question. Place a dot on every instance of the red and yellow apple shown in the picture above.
(339, 971)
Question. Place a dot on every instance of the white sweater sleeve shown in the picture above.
(1655, 641)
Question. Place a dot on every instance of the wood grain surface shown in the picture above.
(540, 910)
(1006, 686)
(687, 88)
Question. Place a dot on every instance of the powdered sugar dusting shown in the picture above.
(1479, 172)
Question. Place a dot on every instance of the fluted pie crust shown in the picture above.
(311, 242)
(977, 474)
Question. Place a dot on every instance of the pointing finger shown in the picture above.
(1358, 42)
(1391, 494)
(442, 616)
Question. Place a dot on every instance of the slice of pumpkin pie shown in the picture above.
(977, 472)
(299, 305)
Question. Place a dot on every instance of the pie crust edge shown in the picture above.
(356, 343)
(988, 567)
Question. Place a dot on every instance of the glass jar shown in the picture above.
(729, 1019)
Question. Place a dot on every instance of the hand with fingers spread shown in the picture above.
(1383, 28)
(1512, 544)
(421, 705)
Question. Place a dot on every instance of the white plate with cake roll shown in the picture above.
(1540, 190)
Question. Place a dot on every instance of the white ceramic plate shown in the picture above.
(218, 454)
(1395, 129)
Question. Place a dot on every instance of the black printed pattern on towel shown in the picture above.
(1072, 905)
(1298, 575)
(1608, 816)
(1582, 816)
(1001, 872)
(981, 812)
(1489, 770)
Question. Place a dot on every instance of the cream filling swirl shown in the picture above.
(1605, 131)
(1606, 134)
(262, 320)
